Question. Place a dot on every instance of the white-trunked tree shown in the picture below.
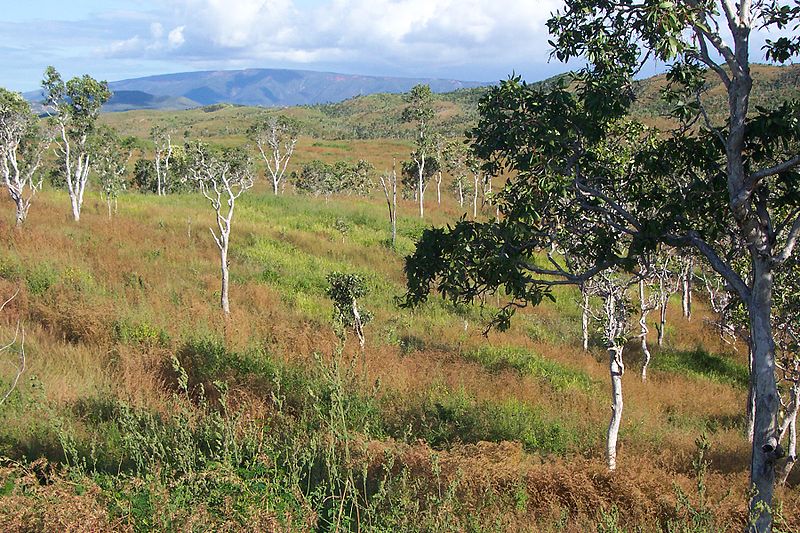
(74, 106)
(21, 148)
(276, 137)
(222, 178)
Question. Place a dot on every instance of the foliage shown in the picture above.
(323, 179)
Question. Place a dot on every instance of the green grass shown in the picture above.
(527, 363)
(701, 364)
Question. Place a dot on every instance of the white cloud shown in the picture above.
(176, 37)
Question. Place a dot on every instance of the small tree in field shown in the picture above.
(222, 178)
(111, 164)
(420, 112)
(21, 148)
(344, 291)
(389, 183)
(74, 106)
(276, 138)
(162, 145)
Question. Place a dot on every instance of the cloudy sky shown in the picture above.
(482, 40)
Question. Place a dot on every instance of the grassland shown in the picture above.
(142, 409)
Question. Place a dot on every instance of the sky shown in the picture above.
(474, 40)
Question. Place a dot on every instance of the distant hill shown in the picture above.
(256, 87)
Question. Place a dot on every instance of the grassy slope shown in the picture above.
(107, 305)
(449, 429)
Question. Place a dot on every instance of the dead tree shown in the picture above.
(276, 138)
(21, 149)
(162, 144)
(389, 183)
(222, 179)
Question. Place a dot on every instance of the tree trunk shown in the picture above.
(461, 193)
(421, 186)
(475, 199)
(751, 395)
(686, 289)
(20, 209)
(439, 188)
(662, 322)
(791, 417)
(76, 208)
(585, 318)
(223, 255)
(275, 186)
(617, 369)
(643, 331)
(766, 448)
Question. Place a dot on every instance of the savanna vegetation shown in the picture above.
(294, 369)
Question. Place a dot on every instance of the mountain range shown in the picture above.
(257, 87)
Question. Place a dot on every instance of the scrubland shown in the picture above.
(143, 409)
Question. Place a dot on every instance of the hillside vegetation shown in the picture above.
(141, 408)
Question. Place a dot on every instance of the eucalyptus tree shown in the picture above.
(162, 147)
(702, 182)
(21, 149)
(74, 106)
(276, 138)
(222, 179)
(457, 159)
(419, 110)
(667, 281)
(111, 164)
(345, 290)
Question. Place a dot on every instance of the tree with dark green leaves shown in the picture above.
(21, 149)
(419, 111)
(580, 165)
(74, 106)
(345, 290)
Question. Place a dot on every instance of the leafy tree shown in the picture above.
(420, 111)
(344, 291)
(21, 149)
(411, 175)
(581, 166)
(112, 155)
(74, 106)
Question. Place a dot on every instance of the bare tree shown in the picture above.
(162, 144)
(21, 150)
(222, 180)
(74, 107)
(276, 138)
(389, 183)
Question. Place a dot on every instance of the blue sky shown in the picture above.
(115, 39)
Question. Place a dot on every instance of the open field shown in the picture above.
(150, 412)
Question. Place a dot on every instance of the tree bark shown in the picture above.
(223, 255)
(643, 331)
(585, 318)
(766, 449)
(686, 286)
(617, 369)
(791, 423)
